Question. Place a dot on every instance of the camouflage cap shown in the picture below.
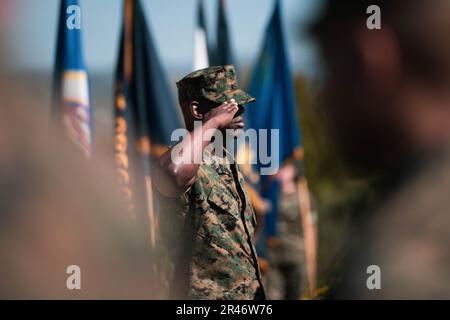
(216, 84)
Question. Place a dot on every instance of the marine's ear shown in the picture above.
(194, 109)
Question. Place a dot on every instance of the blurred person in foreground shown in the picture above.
(203, 203)
(387, 102)
(59, 209)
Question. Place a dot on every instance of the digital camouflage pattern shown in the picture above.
(215, 256)
(214, 84)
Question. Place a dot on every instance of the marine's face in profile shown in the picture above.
(236, 127)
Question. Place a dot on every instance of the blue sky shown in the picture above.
(32, 32)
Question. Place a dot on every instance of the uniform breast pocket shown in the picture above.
(224, 203)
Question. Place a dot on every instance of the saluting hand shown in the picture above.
(223, 115)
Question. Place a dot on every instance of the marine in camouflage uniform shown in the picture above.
(287, 274)
(210, 226)
(287, 277)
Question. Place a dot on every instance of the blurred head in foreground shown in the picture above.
(387, 90)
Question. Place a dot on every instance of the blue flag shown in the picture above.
(275, 107)
(146, 115)
(71, 96)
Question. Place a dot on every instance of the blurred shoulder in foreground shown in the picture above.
(59, 209)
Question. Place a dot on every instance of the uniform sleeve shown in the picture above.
(171, 218)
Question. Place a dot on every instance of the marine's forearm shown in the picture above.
(181, 163)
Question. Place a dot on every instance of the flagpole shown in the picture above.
(128, 40)
(309, 234)
(151, 212)
(144, 148)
